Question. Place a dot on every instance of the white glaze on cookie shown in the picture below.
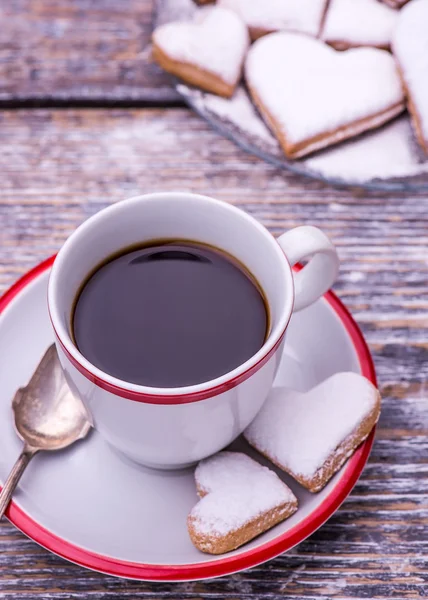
(309, 92)
(236, 490)
(359, 23)
(300, 431)
(266, 16)
(410, 47)
(216, 41)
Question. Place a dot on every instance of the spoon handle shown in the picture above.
(15, 475)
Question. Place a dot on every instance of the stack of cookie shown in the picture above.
(318, 71)
(307, 435)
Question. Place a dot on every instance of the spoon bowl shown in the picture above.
(48, 416)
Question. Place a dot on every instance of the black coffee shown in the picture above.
(170, 314)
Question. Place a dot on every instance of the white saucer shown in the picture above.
(95, 508)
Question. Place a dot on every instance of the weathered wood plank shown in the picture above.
(59, 167)
(79, 51)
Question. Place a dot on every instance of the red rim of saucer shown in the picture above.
(227, 564)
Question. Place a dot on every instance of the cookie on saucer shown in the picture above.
(311, 435)
(240, 499)
(207, 52)
(267, 16)
(352, 23)
(312, 96)
(410, 48)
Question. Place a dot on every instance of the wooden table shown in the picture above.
(86, 119)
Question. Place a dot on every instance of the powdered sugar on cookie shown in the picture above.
(266, 16)
(250, 489)
(301, 432)
(312, 96)
(240, 499)
(359, 23)
(410, 47)
(215, 42)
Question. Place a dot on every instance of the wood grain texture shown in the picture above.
(79, 51)
(60, 166)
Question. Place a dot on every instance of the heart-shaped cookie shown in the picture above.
(312, 96)
(310, 435)
(277, 15)
(410, 47)
(207, 52)
(239, 500)
(351, 23)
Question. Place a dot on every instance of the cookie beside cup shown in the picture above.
(240, 499)
(311, 435)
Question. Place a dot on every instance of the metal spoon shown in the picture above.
(47, 417)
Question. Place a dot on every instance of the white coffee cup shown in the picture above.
(173, 427)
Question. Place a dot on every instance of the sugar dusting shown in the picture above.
(215, 40)
(320, 89)
(410, 45)
(238, 490)
(275, 15)
(301, 430)
(388, 152)
(359, 22)
(385, 153)
(238, 111)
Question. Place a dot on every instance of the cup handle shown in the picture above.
(318, 275)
